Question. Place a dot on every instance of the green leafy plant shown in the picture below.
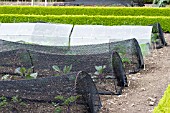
(100, 71)
(64, 102)
(27, 73)
(65, 70)
(3, 101)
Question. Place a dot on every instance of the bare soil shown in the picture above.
(146, 88)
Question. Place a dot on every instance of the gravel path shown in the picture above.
(145, 88)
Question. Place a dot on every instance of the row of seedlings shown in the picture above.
(70, 93)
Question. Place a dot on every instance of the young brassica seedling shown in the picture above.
(100, 72)
(27, 73)
(65, 70)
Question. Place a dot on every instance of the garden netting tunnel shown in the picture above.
(84, 58)
(66, 52)
(40, 49)
(157, 36)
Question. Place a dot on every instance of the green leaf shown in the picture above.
(5, 77)
(67, 69)
(58, 110)
(126, 60)
(29, 77)
(56, 68)
(104, 67)
(96, 73)
(70, 100)
(17, 70)
(23, 70)
(29, 71)
(57, 74)
(34, 75)
(16, 99)
(59, 98)
(109, 76)
(98, 67)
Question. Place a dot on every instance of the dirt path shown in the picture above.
(145, 87)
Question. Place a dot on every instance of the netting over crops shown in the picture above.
(97, 34)
(158, 36)
(36, 33)
(46, 89)
(84, 57)
(130, 54)
(103, 50)
(42, 59)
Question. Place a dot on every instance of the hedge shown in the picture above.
(105, 11)
(164, 103)
(92, 20)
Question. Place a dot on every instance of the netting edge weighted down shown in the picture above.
(93, 105)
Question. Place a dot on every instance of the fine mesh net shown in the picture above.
(10, 60)
(80, 57)
(97, 34)
(130, 54)
(36, 33)
(158, 39)
(45, 89)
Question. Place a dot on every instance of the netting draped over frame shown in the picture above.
(158, 36)
(130, 54)
(36, 33)
(80, 57)
(10, 60)
(45, 89)
(84, 57)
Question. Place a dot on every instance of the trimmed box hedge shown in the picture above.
(92, 20)
(105, 11)
(164, 103)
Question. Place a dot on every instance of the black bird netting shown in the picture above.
(157, 39)
(85, 58)
(130, 54)
(46, 89)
